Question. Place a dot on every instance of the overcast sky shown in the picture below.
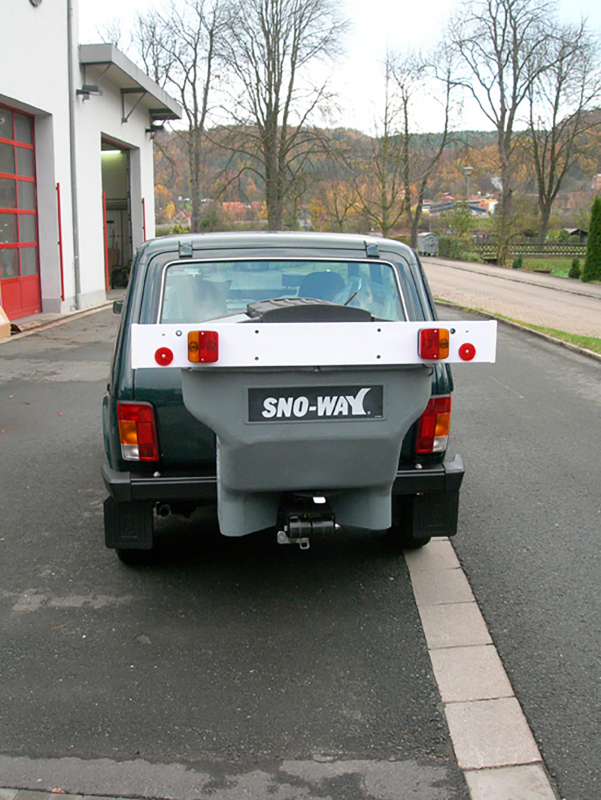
(376, 25)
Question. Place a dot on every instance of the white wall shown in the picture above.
(97, 118)
(34, 78)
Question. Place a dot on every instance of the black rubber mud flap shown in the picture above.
(128, 525)
(435, 514)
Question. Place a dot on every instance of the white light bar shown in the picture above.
(305, 344)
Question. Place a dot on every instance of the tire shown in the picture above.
(401, 539)
(400, 534)
(410, 542)
(133, 558)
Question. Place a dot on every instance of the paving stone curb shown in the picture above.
(491, 737)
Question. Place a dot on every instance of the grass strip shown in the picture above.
(557, 266)
(586, 342)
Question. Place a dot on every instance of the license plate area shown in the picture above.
(316, 403)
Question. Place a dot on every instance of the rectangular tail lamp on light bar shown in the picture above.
(300, 344)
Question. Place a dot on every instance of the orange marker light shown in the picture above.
(433, 344)
(203, 347)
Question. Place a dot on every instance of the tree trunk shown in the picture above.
(384, 221)
(505, 233)
(545, 215)
(273, 196)
(504, 229)
(273, 193)
(194, 148)
(415, 227)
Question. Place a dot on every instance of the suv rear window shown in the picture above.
(200, 291)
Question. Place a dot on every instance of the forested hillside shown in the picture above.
(337, 177)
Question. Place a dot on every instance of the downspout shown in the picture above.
(71, 49)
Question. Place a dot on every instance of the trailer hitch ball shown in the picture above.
(302, 519)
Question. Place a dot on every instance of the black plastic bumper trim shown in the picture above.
(126, 487)
(445, 477)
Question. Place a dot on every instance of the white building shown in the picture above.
(76, 168)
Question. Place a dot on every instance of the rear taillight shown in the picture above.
(137, 432)
(433, 344)
(434, 423)
(203, 347)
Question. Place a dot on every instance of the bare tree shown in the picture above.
(269, 46)
(179, 48)
(560, 102)
(153, 44)
(381, 186)
(421, 152)
(335, 204)
(338, 203)
(503, 46)
(111, 32)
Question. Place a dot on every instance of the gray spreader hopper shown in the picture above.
(329, 432)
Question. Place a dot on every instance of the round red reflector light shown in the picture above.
(467, 352)
(163, 356)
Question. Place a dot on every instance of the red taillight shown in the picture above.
(434, 424)
(433, 344)
(203, 347)
(137, 432)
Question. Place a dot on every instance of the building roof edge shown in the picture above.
(109, 55)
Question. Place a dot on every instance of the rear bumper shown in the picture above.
(445, 477)
(127, 487)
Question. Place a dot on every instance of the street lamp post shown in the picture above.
(467, 171)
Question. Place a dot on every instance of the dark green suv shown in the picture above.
(306, 435)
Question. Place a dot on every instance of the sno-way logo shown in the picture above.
(315, 403)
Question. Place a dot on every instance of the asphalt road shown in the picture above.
(530, 528)
(253, 669)
(243, 667)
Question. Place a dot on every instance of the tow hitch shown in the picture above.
(300, 517)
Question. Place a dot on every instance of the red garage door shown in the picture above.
(19, 264)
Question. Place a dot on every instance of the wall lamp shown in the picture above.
(155, 127)
(88, 89)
